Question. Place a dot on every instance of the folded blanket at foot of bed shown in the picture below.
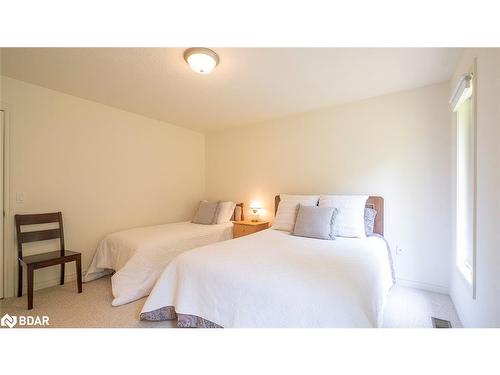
(183, 320)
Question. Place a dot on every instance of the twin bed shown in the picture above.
(136, 257)
(269, 279)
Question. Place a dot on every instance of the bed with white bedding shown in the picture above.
(274, 279)
(139, 255)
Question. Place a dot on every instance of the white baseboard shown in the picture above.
(68, 277)
(401, 282)
(424, 286)
(461, 316)
(53, 282)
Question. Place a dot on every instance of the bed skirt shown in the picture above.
(183, 320)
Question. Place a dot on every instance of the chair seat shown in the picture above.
(66, 255)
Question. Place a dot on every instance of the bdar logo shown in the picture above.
(22, 320)
(8, 321)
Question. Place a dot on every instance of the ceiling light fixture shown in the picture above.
(201, 60)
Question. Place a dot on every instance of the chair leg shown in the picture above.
(62, 274)
(79, 273)
(20, 280)
(30, 287)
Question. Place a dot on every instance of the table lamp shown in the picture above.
(255, 207)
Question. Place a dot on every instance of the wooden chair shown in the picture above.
(43, 260)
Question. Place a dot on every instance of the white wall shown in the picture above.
(105, 168)
(396, 146)
(484, 311)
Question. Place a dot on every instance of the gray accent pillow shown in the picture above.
(207, 213)
(315, 222)
(370, 215)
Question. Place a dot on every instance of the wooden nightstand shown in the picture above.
(242, 228)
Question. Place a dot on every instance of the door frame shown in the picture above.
(8, 247)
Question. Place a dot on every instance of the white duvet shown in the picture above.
(274, 279)
(139, 255)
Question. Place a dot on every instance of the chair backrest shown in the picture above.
(38, 235)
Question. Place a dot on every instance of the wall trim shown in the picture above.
(52, 282)
(458, 309)
(423, 286)
(399, 282)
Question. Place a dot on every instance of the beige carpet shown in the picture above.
(92, 308)
(406, 308)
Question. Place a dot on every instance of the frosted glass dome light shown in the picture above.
(201, 60)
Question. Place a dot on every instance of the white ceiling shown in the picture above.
(250, 85)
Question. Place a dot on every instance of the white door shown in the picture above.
(2, 114)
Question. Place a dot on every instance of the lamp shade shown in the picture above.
(255, 205)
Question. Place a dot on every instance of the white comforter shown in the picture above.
(139, 255)
(274, 279)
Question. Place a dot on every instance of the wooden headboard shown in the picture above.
(377, 203)
(233, 218)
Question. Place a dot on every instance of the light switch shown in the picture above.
(20, 197)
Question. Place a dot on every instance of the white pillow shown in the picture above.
(225, 213)
(350, 219)
(287, 210)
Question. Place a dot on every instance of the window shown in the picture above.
(463, 106)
